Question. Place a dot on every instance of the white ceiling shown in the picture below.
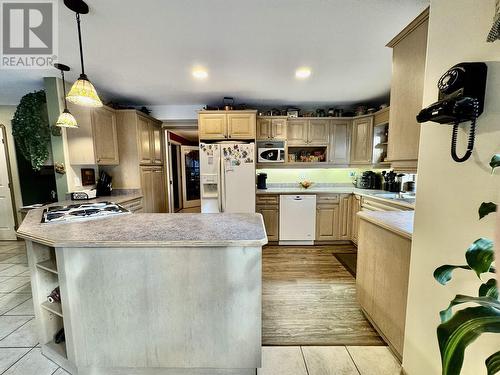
(142, 52)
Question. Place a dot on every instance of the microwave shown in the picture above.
(271, 152)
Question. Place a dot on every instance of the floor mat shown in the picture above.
(349, 261)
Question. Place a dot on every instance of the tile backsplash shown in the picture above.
(337, 175)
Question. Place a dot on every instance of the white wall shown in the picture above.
(6, 114)
(175, 112)
(449, 193)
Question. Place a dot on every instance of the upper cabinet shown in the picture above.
(318, 132)
(271, 128)
(303, 132)
(149, 140)
(220, 125)
(95, 139)
(297, 131)
(362, 140)
(340, 142)
(408, 68)
(212, 126)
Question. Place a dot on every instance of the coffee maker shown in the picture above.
(104, 185)
(261, 181)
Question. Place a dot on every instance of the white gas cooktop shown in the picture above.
(81, 211)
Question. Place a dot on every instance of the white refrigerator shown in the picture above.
(227, 177)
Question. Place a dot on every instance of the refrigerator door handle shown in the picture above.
(222, 195)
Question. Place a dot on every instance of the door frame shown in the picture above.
(170, 191)
(3, 130)
(185, 202)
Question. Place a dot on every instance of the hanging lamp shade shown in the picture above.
(84, 93)
(66, 120)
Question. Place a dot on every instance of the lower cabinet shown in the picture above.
(356, 202)
(153, 189)
(327, 222)
(268, 207)
(271, 216)
(382, 281)
(333, 215)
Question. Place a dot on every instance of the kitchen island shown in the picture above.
(149, 293)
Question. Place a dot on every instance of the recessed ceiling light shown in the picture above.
(200, 73)
(303, 73)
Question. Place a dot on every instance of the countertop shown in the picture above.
(399, 222)
(148, 230)
(335, 190)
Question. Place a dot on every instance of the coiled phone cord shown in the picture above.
(472, 136)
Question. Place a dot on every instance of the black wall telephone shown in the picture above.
(461, 98)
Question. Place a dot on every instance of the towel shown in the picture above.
(495, 29)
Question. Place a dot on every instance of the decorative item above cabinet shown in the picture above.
(95, 140)
(409, 54)
(221, 125)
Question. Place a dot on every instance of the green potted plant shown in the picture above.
(460, 329)
(30, 128)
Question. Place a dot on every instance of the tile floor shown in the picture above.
(20, 353)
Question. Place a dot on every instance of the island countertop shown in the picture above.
(148, 230)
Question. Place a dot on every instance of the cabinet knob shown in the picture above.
(98, 159)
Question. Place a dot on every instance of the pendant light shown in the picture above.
(83, 91)
(66, 119)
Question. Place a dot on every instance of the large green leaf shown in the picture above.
(443, 274)
(486, 208)
(480, 255)
(495, 162)
(493, 363)
(486, 301)
(489, 289)
(462, 329)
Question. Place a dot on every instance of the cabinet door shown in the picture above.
(144, 139)
(104, 134)
(327, 221)
(278, 129)
(407, 82)
(344, 231)
(147, 189)
(318, 132)
(340, 142)
(355, 208)
(159, 195)
(264, 130)
(270, 214)
(156, 143)
(81, 145)
(362, 141)
(241, 125)
(212, 126)
(296, 133)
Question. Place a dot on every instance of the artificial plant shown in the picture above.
(458, 330)
(30, 128)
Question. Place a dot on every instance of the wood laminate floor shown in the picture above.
(309, 298)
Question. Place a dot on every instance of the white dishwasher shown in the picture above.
(297, 219)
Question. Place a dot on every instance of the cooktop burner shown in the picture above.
(80, 212)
